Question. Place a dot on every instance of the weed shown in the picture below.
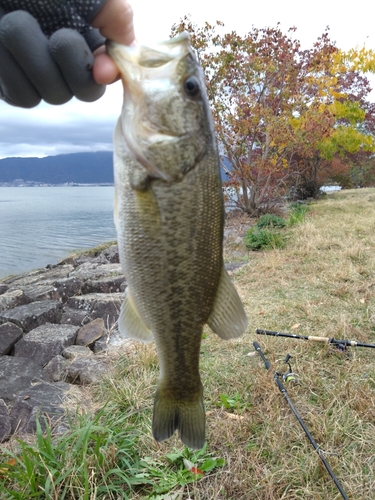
(271, 220)
(297, 213)
(263, 239)
(180, 468)
(98, 454)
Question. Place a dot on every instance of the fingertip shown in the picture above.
(105, 70)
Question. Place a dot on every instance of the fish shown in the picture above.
(169, 216)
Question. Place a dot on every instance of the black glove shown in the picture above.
(34, 67)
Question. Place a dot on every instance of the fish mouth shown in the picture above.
(149, 57)
(142, 66)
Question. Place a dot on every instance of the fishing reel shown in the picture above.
(337, 347)
(289, 376)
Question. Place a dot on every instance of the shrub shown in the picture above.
(263, 239)
(271, 220)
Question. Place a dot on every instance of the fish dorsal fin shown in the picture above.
(130, 324)
(228, 318)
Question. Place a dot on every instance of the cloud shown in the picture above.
(78, 126)
(72, 127)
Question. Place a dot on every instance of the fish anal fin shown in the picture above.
(228, 318)
(188, 417)
(130, 324)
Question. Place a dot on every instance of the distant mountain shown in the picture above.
(78, 168)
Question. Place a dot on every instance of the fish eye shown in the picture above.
(191, 86)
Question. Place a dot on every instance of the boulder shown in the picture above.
(32, 315)
(40, 291)
(42, 401)
(99, 305)
(86, 371)
(105, 285)
(91, 332)
(18, 374)
(76, 351)
(47, 276)
(111, 342)
(45, 342)
(3, 288)
(9, 335)
(5, 425)
(76, 317)
(25, 278)
(111, 254)
(67, 287)
(56, 367)
(92, 270)
(12, 298)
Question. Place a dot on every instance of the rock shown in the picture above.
(92, 271)
(110, 342)
(76, 351)
(111, 254)
(86, 371)
(12, 298)
(45, 342)
(9, 335)
(67, 287)
(28, 276)
(76, 317)
(18, 374)
(99, 305)
(91, 332)
(37, 292)
(32, 315)
(105, 285)
(5, 425)
(47, 276)
(56, 367)
(41, 401)
(3, 288)
(93, 258)
(232, 266)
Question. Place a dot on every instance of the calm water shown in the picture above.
(41, 225)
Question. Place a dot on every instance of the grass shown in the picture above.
(321, 283)
(267, 234)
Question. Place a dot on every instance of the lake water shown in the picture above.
(41, 225)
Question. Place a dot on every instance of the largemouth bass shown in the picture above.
(169, 217)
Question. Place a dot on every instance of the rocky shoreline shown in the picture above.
(57, 326)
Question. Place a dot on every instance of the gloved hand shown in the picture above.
(34, 67)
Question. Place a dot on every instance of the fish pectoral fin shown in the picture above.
(130, 324)
(228, 318)
(188, 417)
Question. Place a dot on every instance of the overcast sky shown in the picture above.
(76, 126)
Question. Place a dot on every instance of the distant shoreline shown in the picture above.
(65, 184)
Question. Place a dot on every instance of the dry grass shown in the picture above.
(324, 282)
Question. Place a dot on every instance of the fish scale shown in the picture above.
(169, 216)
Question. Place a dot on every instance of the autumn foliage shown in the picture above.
(288, 120)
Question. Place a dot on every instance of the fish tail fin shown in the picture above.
(188, 417)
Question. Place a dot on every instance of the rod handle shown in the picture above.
(267, 364)
(319, 339)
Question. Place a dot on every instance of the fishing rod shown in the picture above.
(278, 377)
(340, 344)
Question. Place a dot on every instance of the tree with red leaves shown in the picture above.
(281, 113)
